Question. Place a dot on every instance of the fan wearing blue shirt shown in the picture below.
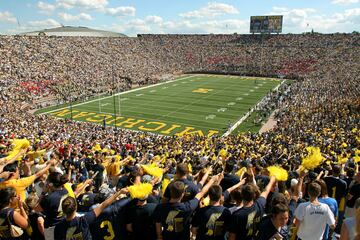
(182, 171)
(331, 202)
(172, 218)
(73, 227)
(210, 223)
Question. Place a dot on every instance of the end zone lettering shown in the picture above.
(134, 124)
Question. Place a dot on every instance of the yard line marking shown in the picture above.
(251, 90)
(231, 104)
(105, 104)
(152, 91)
(209, 95)
(246, 94)
(239, 99)
(211, 116)
(139, 95)
(235, 125)
(132, 90)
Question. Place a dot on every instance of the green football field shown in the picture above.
(203, 104)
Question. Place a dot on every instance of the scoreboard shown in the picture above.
(266, 24)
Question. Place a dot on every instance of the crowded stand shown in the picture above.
(62, 179)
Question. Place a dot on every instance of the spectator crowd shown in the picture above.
(74, 180)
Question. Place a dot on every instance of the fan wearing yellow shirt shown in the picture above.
(114, 169)
(20, 184)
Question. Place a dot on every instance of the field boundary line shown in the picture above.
(243, 118)
(117, 94)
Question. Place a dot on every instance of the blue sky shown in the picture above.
(178, 16)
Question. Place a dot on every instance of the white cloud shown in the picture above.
(211, 10)
(228, 26)
(120, 11)
(132, 27)
(98, 5)
(305, 19)
(345, 2)
(47, 23)
(86, 4)
(7, 17)
(69, 18)
(153, 19)
(155, 26)
(138, 25)
(45, 7)
(34, 25)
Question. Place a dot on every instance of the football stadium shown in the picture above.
(204, 120)
(190, 104)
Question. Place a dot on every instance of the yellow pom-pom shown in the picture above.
(313, 159)
(156, 158)
(206, 201)
(190, 168)
(97, 148)
(140, 191)
(210, 232)
(153, 170)
(164, 185)
(223, 153)
(356, 159)
(241, 171)
(278, 172)
(342, 160)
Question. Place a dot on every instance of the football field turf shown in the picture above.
(203, 104)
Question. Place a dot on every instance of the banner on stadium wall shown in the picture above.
(266, 24)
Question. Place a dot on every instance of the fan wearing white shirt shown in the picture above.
(312, 217)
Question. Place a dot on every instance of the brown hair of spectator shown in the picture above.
(69, 206)
(215, 193)
(248, 192)
(323, 186)
(182, 169)
(279, 208)
(314, 190)
(177, 190)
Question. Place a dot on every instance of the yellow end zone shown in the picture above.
(134, 124)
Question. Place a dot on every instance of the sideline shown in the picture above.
(121, 93)
(243, 118)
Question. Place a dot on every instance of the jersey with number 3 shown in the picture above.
(109, 224)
